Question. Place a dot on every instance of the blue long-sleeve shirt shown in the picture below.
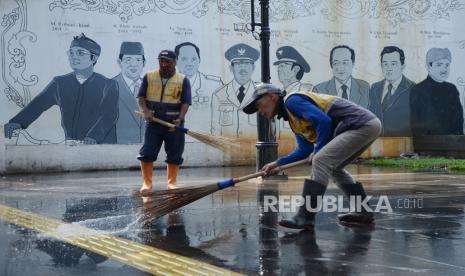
(305, 109)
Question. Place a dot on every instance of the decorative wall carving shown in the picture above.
(14, 55)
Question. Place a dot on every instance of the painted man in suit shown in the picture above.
(88, 101)
(390, 98)
(129, 127)
(227, 101)
(342, 60)
(202, 86)
(434, 103)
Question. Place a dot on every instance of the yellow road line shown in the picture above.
(143, 257)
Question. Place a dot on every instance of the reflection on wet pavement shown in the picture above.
(424, 234)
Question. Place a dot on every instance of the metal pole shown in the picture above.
(267, 148)
(269, 248)
(267, 151)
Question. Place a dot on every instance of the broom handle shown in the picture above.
(275, 170)
(156, 120)
(232, 181)
(165, 123)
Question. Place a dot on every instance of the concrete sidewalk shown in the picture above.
(425, 233)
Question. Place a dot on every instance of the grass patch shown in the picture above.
(423, 163)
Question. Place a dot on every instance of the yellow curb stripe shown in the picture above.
(140, 256)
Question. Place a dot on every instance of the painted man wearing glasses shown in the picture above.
(88, 101)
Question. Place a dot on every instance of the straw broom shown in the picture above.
(219, 142)
(166, 201)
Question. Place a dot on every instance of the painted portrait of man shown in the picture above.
(227, 118)
(131, 60)
(390, 97)
(88, 101)
(202, 85)
(434, 102)
(343, 84)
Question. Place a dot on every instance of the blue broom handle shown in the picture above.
(230, 182)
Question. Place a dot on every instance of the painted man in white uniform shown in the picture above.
(202, 86)
(291, 66)
(227, 101)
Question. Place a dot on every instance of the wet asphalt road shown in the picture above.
(424, 234)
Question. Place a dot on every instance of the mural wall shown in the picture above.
(70, 69)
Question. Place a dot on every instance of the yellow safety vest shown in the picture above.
(164, 100)
(302, 127)
(172, 91)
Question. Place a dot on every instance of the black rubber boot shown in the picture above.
(363, 217)
(305, 219)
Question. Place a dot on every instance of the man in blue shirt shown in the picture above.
(334, 131)
(165, 94)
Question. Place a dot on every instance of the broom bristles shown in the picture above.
(224, 144)
(166, 201)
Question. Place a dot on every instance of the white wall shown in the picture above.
(2, 151)
(37, 33)
(91, 157)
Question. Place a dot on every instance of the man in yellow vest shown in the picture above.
(165, 94)
(333, 131)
